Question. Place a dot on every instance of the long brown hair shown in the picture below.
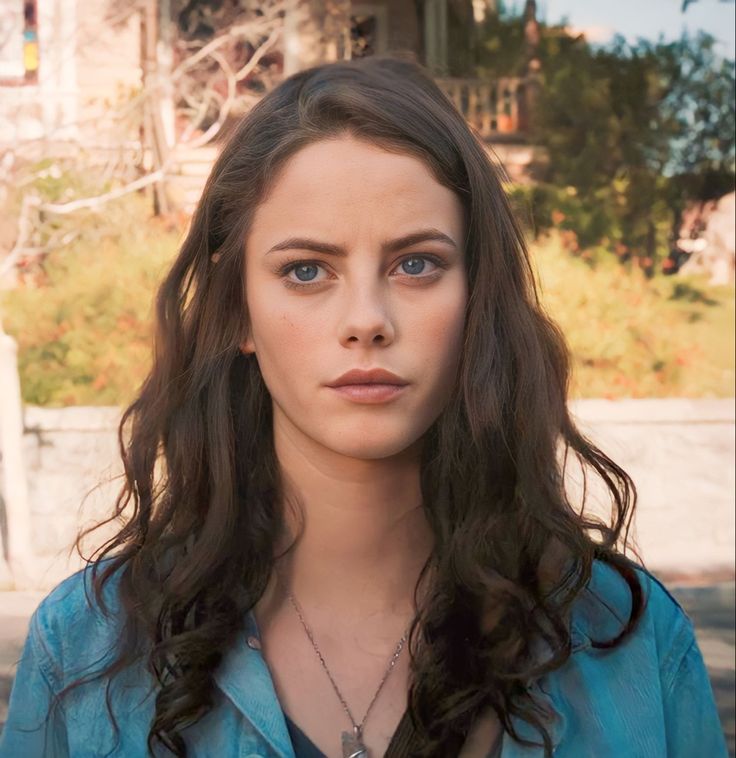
(200, 497)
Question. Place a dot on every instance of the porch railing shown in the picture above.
(492, 108)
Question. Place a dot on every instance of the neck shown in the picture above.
(365, 534)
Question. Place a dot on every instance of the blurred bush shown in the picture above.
(596, 223)
(82, 316)
(631, 335)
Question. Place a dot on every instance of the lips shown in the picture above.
(370, 376)
(370, 394)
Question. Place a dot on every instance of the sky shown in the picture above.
(600, 19)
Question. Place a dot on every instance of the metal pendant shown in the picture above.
(352, 746)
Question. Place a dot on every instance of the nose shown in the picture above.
(366, 318)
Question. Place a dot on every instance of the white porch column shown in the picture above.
(57, 73)
(15, 487)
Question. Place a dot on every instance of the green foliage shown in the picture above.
(633, 132)
(501, 40)
(661, 107)
(83, 318)
(641, 127)
(697, 110)
(598, 222)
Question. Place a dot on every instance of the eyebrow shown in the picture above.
(389, 246)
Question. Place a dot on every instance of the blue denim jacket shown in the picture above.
(650, 697)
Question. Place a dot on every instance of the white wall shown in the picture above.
(679, 452)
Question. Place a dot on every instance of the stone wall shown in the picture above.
(73, 470)
(680, 454)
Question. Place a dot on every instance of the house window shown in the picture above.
(18, 41)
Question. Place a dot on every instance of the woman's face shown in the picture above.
(331, 286)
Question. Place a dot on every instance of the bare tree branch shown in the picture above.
(227, 105)
(244, 30)
(258, 54)
(29, 203)
(97, 201)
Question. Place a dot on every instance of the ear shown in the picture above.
(246, 346)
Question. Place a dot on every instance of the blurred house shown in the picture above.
(64, 64)
(706, 240)
(71, 72)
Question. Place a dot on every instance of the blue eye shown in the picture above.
(299, 270)
(414, 269)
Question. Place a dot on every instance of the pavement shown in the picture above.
(712, 610)
(711, 607)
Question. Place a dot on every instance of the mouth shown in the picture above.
(375, 385)
(374, 376)
(370, 393)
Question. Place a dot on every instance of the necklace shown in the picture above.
(352, 744)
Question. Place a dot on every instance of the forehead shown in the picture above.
(341, 182)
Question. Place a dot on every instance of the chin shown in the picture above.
(368, 446)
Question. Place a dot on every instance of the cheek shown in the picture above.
(285, 340)
(439, 328)
(274, 325)
(449, 322)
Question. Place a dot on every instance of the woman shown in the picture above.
(347, 529)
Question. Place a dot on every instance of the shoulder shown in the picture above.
(71, 630)
(655, 674)
(605, 604)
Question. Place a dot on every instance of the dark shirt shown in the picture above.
(399, 745)
(303, 746)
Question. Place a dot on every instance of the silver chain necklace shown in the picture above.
(352, 744)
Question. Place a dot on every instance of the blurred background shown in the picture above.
(613, 122)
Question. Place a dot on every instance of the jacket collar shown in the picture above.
(244, 677)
